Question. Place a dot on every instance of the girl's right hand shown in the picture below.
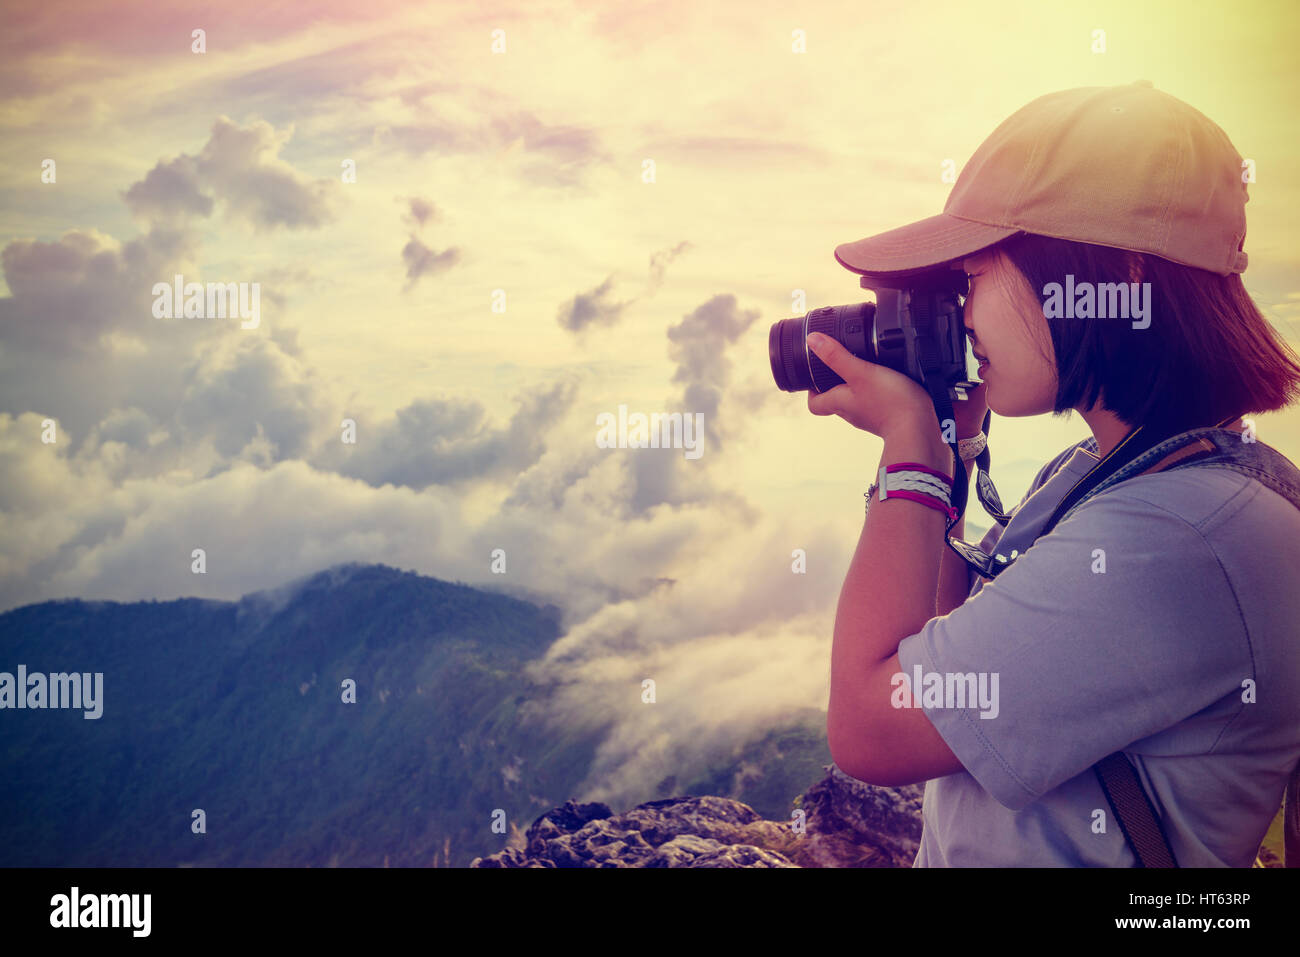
(970, 414)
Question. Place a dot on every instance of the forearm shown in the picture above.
(954, 580)
(889, 591)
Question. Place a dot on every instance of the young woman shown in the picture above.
(1160, 618)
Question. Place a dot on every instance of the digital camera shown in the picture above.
(914, 327)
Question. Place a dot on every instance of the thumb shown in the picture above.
(838, 359)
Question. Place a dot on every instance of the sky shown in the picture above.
(498, 273)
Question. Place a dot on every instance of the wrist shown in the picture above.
(920, 443)
(971, 447)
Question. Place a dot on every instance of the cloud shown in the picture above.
(422, 211)
(67, 294)
(660, 261)
(238, 167)
(171, 190)
(247, 390)
(193, 434)
(275, 281)
(161, 29)
(447, 441)
(79, 343)
(595, 308)
(557, 156)
(217, 453)
(78, 339)
(422, 261)
(591, 308)
(698, 346)
(70, 530)
(650, 477)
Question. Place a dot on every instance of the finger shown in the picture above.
(826, 403)
(842, 362)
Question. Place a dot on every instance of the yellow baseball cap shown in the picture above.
(1124, 166)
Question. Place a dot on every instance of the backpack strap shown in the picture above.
(1132, 809)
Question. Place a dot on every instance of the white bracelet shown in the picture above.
(908, 480)
(911, 481)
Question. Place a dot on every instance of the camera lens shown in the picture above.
(796, 368)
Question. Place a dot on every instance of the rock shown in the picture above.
(690, 850)
(565, 819)
(852, 824)
(846, 824)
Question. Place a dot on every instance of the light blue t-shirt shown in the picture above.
(1198, 605)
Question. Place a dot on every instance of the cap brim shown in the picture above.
(921, 245)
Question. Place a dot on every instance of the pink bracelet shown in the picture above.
(918, 467)
(924, 499)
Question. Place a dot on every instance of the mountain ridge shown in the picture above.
(235, 708)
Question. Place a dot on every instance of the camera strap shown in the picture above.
(926, 337)
(988, 495)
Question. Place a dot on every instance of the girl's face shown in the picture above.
(1004, 320)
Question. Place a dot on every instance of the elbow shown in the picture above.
(852, 754)
(867, 759)
(853, 771)
(864, 735)
(873, 774)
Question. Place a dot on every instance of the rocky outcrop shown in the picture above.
(851, 824)
(844, 823)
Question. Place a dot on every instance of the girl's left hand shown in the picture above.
(872, 397)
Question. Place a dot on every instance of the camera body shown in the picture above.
(914, 327)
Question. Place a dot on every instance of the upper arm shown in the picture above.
(916, 751)
(902, 746)
(1078, 662)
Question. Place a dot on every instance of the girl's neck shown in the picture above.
(1109, 429)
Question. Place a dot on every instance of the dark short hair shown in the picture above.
(1207, 354)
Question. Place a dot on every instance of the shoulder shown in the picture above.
(1192, 542)
(1054, 464)
(1204, 498)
